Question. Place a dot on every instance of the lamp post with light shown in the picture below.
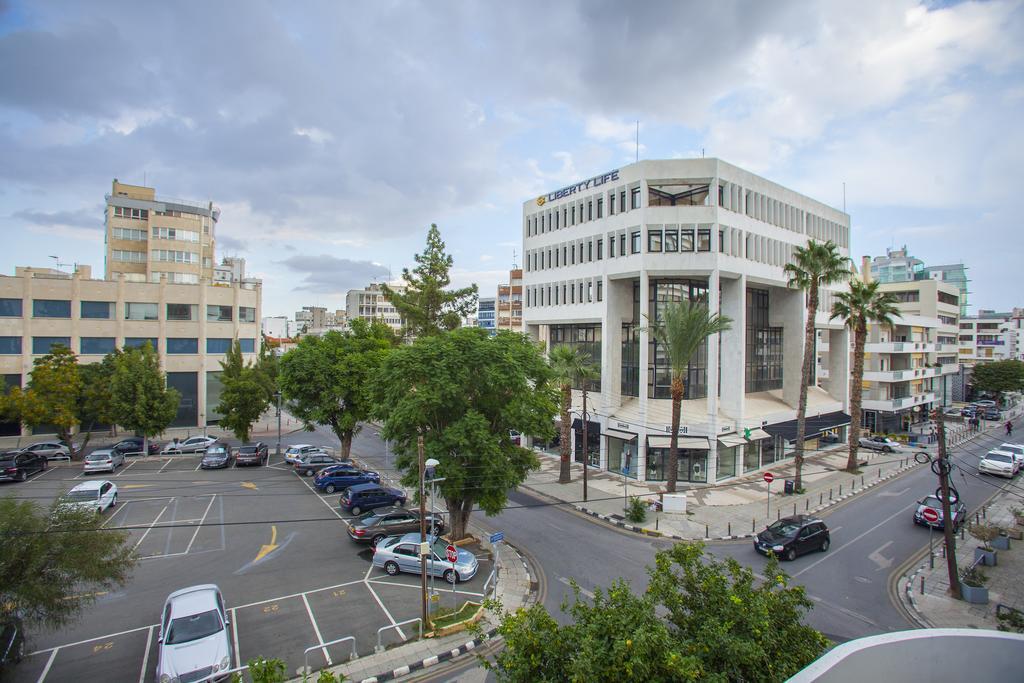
(277, 398)
(428, 469)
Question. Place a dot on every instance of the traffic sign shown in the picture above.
(453, 553)
(929, 515)
(497, 536)
(769, 477)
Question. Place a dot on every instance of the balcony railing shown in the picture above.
(894, 404)
(899, 347)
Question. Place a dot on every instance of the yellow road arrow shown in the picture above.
(249, 485)
(267, 549)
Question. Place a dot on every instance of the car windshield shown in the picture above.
(86, 494)
(194, 627)
(932, 502)
(247, 449)
(440, 548)
(998, 457)
(784, 528)
(94, 457)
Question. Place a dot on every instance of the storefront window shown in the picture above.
(593, 440)
(622, 456)
(692, 465)
(726, 462)
(751, 456)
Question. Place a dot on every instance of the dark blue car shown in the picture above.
(361, 497)
(340, 477)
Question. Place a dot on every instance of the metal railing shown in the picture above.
(380, 631)
(491, 581)
(323, 646)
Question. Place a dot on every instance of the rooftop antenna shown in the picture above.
(701, 152)
(514, 264)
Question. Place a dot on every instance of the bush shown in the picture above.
(973, 577)
(1010, 620)
(986, 533)
(637, 512)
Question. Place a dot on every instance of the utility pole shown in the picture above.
(944, 468)
(586, 454)
(424, 544)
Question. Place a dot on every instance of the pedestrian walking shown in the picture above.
(1009, 428)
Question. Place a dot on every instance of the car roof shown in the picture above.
(193, 600)
(801, 519)
(91, 485)
(363, 487)
(299, 445)
(996, 451)
(102, 451)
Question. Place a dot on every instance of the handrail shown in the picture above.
(323, 646)
(380, 631)
(492, 578)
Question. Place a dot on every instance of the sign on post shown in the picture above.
(768, 479)
(929, 515)
(497, 536)
(452, 553)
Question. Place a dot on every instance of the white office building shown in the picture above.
(603, 254)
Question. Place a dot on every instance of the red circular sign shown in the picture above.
(930, 515)
(769, 477)
(452, 552)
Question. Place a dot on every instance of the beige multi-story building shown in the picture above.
(371, 304)
(510, 302)
(191, 326)
(148, 237)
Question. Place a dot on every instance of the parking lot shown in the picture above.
(291, 577)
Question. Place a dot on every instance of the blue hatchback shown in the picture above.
(340, 477)
(361, 497)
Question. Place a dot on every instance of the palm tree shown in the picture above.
(819, 263)
(572, 366)
(860, 305)
(682, 328)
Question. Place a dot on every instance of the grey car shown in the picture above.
(397, 554)
(103, 460)
(50, 449)
(193, 636)
(193, 444)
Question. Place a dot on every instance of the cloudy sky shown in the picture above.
(332, 134)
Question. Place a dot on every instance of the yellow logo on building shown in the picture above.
(541, 201)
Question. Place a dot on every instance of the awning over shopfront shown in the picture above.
(816, 425)
(664, 441)
(592, 427)
(758, 434)
(730, 440)
(626, 436)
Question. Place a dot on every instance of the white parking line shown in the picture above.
(200, 525)
(385, 610)
(316, 630)
(385, 582)
(126, 468)
(198, 466)
(145, 656)
(234, 636)
(296, 595)
(90, 640)
(150, 527)
(323, 500)
(42, 474)
(49, 663)
(169, 461)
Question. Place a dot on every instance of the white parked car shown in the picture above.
(103, 460)
(193, 637)
(879, 443)
(98, 494)
(299, 450)
(50, 449)
(1000, 463)
(1018, 453)
(193, 444)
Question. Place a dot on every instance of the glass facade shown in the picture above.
(593, 441)
(727, 457)
(97, 310)
(187, 384)
(586, 338)
(43, 345)
(764, 345)
(182, 345)
(10, 308)
(218, 345)
(182, 311)
(214, 387)
(622, 456)
(140, 311)
(218, 313)
(51, 308)
(751, 456)
(249, 346)
(98, 346)
(136, 342)
(692, 464)
(659, 373)
(10, 346)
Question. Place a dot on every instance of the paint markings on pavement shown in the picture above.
(316, 630)
(835, 551)
(584, 591)
(145, 656)
(879, 559)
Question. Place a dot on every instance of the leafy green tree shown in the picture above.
(861, 304)
(269, 365)
(95, 402)
(55, 560)
(325, 379)
(426, 306)
(463, 391)
(998, 376)
(681, 329)
(700, 619)
(140, 399)
(52, 394)
(817, 264)
(247, 391)
(572, 367)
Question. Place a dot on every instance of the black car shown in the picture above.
(12, 643)
(17, 465)
(218, 454)
(132, 445)
(792, 536)
(252, 454)
(957, 510)
(372, 526)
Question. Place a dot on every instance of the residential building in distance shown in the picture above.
(192, 327)
(371, 304)
(485, 313)
(509, 312)
(148, 237)
(896, 266)
(989, 336)
(955, 274)
(277, 327)
(310, 318)
(603, 256)
(230, 269)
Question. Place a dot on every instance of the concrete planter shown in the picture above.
(976, 595)
(985, 557)
(1001, 542)
(1015, 534)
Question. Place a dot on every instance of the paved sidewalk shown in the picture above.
(934, 608)
(736, 508)
(515, 588)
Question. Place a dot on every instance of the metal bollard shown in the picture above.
(794, 509)
(977, 519)
(730, 529)
(830, 494)
(840, 490)
(862, 478)
(922, 585)
(983, 511)
(778, 514)
(879, 472)
(853, 484)
(707, 533)
(961, 532)
(821, 497)
(656, 520)
(807, 504)
(753, 524)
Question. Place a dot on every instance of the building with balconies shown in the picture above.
(509, 310)
(604, 255)
(485, 310)
(371, 304)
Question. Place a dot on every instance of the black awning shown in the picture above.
(592, 427)
(816, 424)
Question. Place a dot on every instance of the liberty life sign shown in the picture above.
(588, 184)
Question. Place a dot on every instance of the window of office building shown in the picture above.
(176, 234)
(43, 345)
(97, 310)
(139, 342)
(248, 345)
(704, 239)
(600, 207)
(218, 345)
(634, 242)
(125, 212)
(686, 239)
(630, 380)
(600, 249)
(659, 372)
(174, 278)
(10, 346)
(187, 385)
(246, 314)
(622, 201)
(10, 308)
(214, 388)
(182, 311)
(634, 198)
(951, 299)
(611, 203)
(140, 311)
(599, 292)
(654, 240)
(764, 349)
(622, 244)
(175, 256)
(12, 428)
(97, 346)
(590, 210)
(586, 338)
(671, 240)
(132, 234)
(51, 308)
(218, 313)
(182, 345)
(692, 464)
(677, 194)
(128, 256)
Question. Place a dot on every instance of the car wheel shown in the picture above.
(45, 465)
(887, 449)
(401, 502)
(21, 475)
(391, 568)
(356, 510)
(113, 503)
(376, 539)
(308, 473)
(330, 488)
(450, 576)
(19, 652)
(790, 554)
(825, 544)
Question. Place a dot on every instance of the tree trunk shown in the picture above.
(856, 394)
(805, 378)
(673, 444)
(458, 516)
(565, 445)
(346, 444)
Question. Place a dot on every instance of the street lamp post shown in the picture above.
(277, 397)
(424, 544)
(429, 467)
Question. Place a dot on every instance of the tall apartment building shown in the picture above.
(371, 304)
(148, 237)
(989, 336)
(311, 318)
(955, 274)
(896, 266)
(603, 256)
(510, 302)
(485, 310)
